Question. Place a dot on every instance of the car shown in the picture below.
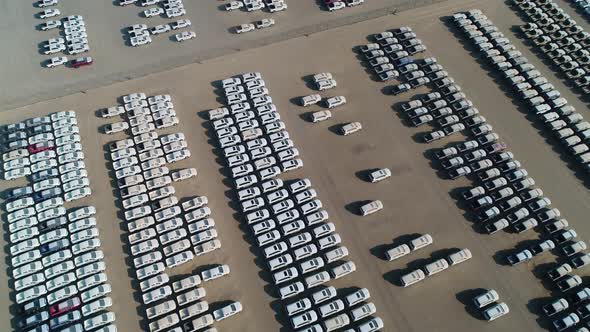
(47, 13)
(243, 28)
(116, 127)
(298, 306)
(99, 320)
(566, 322)
(264, 23)
(276, 6)
(496, 311)
(185, 35)
(580, 261)
(310, 100)
(291, 290)
(50, 24)
(161, 28)
(555, 307)
(489, 297)
(140, 40)
(56, 61)
(573, 248)
(568, 282)
(215, 273)
(79, 62)
(520, 257)
(227, 311)
(65, 306)
(335, 5)
(154, 11)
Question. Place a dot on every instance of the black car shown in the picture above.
(31, 307)
(15, 136)
(15, 145)
(54, 246)
(46, 174)
(33, 320)
(16, 193)
(47, 194)
(14, 127)
(53, 224)
(40, 129)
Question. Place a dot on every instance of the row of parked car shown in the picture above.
(451, 111)
(240, 130)
(140, 34)
(560, 38)
(322, 82)
(253, 5)
(507, 197)
(143, 116)
(534, 89)
(333, 5)
(60, 278)
(169, 8)
(181, 306)
(47, 149)
(392, 49)
(75, 39)
(298, 242)
(583, 6)
(163, 233)
(435, 267)
(350, 307)
(57, 264)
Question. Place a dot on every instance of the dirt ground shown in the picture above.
(417, 199)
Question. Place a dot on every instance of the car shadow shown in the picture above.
(354, 207)
(466, 298)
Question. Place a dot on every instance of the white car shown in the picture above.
(78, 48)
(46, 3)
(264, 23)
(77, 194)
(380, 174)
(54, 48)
(351, 3)
(56, 61)
(245, 28)
(234, 5)
(161, 28)
(215, 272)
(48, 25)
(185, 35)
(336, 6)
(155, 11)
(47, 13)
(276, 6)
(227, 311)
(116, 127)
(140, 40)
(335, 101)
(180, 24)
(320, 116)
(326, 84)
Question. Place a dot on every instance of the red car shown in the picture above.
(81, 62)
(65, 306)
(48, 145)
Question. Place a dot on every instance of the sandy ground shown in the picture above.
(114, 61)
(416, 199)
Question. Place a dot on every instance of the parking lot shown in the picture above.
(115, 61)
(417, 200)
